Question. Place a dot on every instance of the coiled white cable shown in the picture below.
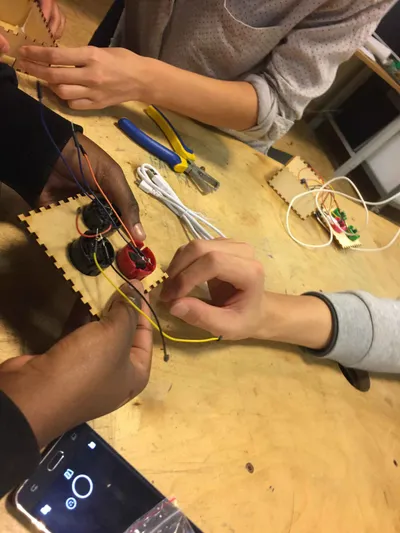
(151, 182)
(360, 200)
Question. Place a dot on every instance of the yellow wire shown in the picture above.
(174, 339)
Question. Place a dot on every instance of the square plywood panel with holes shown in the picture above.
(54, 228)
(286, 183)
(288, 186)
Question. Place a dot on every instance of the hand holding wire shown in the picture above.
(236, 284)
(155, 324)
(88, 373)
(72, 174)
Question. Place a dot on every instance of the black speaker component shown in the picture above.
(81, 254)
(97, 214)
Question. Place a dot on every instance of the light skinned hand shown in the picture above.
(235, 280)
(87, 374)
(54, 17)
(4, 46)
(105, 77)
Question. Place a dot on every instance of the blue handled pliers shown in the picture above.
(181, 159)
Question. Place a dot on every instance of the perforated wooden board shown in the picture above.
(54, 228)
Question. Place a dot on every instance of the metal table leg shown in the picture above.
(369, 148)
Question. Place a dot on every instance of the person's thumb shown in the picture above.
(201, 314)
(15, 363)
(131, 217)
(4, 46)
(122, 308)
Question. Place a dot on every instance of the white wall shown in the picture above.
(385, 164)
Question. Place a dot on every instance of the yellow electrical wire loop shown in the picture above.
(132, 304)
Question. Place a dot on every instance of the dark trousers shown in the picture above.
(104, 33)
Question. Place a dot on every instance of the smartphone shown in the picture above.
(82, 485)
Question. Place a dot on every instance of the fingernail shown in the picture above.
(139, 233)
(179, 309)
(22, 51)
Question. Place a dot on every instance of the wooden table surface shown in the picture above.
(324, 454)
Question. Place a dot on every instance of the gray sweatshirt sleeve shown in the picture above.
(304, 65)
(367, 333)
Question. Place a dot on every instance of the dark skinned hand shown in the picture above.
(109, 174)
(89, 373)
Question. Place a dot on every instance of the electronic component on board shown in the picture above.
(98, 215)
(81, 254)
(136, 264)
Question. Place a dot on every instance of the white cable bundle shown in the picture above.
(154, 184)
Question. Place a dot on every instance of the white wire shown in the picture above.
(360, 200)
(191, 228)
(154, 184)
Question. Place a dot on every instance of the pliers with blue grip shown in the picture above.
(180, 160)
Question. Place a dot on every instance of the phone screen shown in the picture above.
(91, 490)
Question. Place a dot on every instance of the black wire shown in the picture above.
(77, 146)
(51, 138)
(164, 344)
(79, 149)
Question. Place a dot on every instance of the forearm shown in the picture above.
(223, 104)
(27, 153)
(355, 329)
(301, 320)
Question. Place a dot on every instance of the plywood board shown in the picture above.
(54, 228)
(300, 169)
(344, 242)
(288, 186)
(15, 12)
(36, 27)
(22, 23)
(15, 39)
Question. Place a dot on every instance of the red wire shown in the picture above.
(89, 236)
(107, 200)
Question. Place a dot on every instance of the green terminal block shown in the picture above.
(354, 232)
(340, 214)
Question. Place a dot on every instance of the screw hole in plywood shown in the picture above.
(249, 468)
